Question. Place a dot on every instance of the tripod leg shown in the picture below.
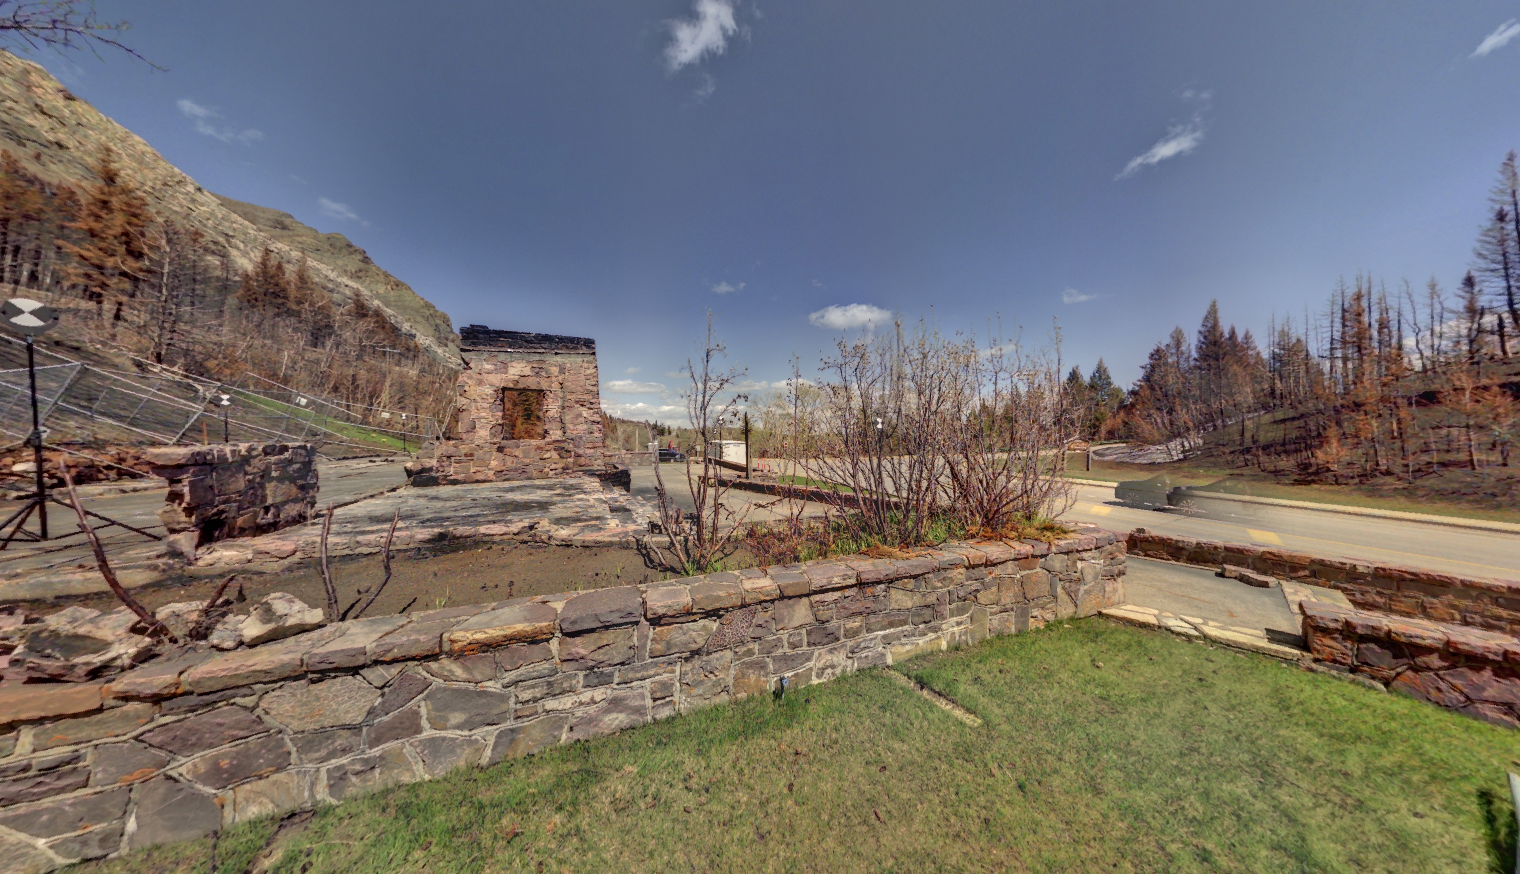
(107, 520)
(20, 516)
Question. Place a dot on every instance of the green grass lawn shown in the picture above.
(1102, 748)
(346, 430)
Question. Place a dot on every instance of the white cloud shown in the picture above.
(341, 211)
(725, 288)
(633, 370)
(1501, 37)
(675, 374)
(855, 315)
(669, 414)
(205, 119)
(1071, 295)
(693, 39)
(631, 387)
(1180, 139)
(706, 89)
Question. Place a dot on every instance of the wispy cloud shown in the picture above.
(692, 39)
(855, 315)
(706, 33)
(669, 414)
(630, 387)
(726, 288)
(1500, 38)
(633, 370)
(340, 211)
(209, 122)
(1180, 139)
(1071, 295)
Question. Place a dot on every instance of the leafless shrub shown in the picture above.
(701, 538)
(925, 429)
(1007, 435)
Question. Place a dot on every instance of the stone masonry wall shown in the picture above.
(183, 746)
(229, 490)
(1490, 604)
(1465, 669)
(479, 451)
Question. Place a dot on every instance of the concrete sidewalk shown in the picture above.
(1194, 602)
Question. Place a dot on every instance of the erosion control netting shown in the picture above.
(83, 405)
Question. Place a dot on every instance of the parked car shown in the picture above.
(672, 455)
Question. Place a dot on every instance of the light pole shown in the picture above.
(224, 401)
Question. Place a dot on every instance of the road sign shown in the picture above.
(28, 317)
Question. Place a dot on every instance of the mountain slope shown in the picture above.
(58, 137)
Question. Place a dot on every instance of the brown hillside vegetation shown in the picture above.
(146, 262)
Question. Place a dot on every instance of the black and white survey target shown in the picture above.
(28, 317)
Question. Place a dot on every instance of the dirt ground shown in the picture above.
(423, 579)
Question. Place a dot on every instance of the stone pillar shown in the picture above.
(232, 490)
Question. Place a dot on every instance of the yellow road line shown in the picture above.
(1264, 537)
(1100, 509)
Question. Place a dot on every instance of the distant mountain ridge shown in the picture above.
(56, 136)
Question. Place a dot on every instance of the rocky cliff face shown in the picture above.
(57, 136)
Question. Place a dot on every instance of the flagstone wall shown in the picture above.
(221, 491)
(187, 744)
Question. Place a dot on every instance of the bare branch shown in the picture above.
(385, 561)
(63, 25)
(155, 627)
(327, 580)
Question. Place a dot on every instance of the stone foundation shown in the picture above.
(1488, 604)
(183, 746)
(219, 492)
(1461, 668)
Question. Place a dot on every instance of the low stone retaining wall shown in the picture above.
(1489, 604)
(183, 746)
(233, 490)
(1465, 669)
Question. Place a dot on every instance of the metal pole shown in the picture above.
(31, 375)
(1514, 796)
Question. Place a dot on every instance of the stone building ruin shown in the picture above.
(527, 407)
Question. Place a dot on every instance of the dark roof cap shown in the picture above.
(481, 337)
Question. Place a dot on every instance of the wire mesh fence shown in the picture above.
(85, 404)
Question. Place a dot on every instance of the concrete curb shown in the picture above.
(1345, 510)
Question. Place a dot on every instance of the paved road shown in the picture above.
(754, 506)
(342, 482)
(1440, 548)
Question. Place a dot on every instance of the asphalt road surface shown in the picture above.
(1461, 551)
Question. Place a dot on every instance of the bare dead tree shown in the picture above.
(63, 25)
(698, 541)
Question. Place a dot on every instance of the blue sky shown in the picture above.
(611, 169)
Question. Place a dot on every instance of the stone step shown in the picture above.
(1251, 640)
